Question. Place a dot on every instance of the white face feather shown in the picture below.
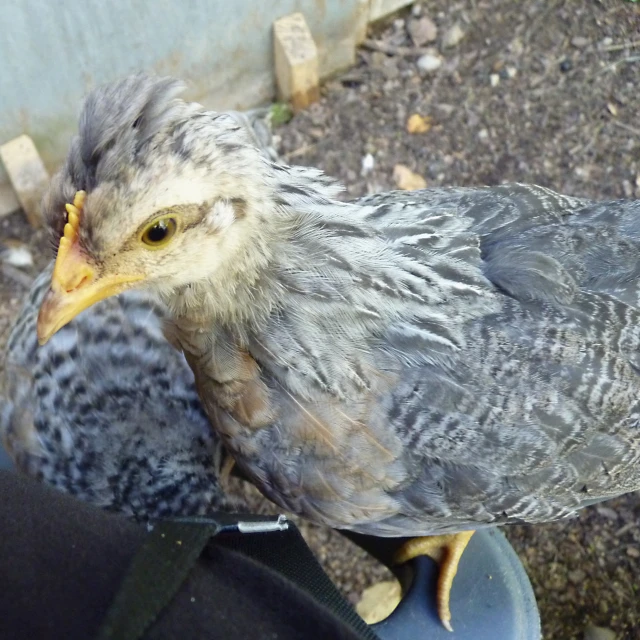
(167, 186)
(233, 209)
(221, 216)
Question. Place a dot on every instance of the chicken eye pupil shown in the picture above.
(158, 232)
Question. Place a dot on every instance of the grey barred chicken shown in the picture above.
(407, 364)
(107, 411)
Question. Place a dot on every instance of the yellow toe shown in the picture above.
(446, 550)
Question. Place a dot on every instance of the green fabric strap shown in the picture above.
(173, 547)
(154, 577)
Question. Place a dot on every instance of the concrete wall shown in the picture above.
(53, 51)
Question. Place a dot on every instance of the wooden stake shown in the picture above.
(296, 59)
(27, 175)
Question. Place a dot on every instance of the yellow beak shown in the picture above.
(75, 286)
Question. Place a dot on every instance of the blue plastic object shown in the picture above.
(491, 598)
(5, 460)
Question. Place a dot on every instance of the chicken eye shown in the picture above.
(159, 232)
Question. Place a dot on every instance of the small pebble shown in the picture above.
(633, 552)
(556, 582)
(447, 109)
(607, 512)
(579, 42)
(452, 36)
(598, 633)
(368, 162)
(516, 47)
(16, 254)
(495, 79)
(422, 31)
(566, 65)
(429, 62)
(582, 172)
(577, 576)
(390, 85)
(627, 189)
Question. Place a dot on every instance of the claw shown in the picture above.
(227, 468)
(446, 550)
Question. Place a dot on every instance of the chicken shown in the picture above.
(107, 411)
(406, 364)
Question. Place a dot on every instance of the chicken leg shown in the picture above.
(446, 550)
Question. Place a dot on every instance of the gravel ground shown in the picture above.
(544, 92)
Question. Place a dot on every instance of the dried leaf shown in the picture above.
(418, 124)
(407, 179)
(379, 601)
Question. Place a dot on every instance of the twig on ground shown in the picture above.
(627, 127)
(300, 151)
(621, 46)
(390, 50)
(613, 66)
(19, 277)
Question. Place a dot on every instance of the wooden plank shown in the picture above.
(8, 201)
(296, 60)
(381, 8)
(27, 175)
(363, 11)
